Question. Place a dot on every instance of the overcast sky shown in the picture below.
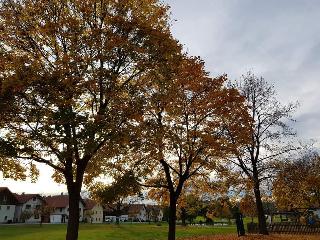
(276, 39)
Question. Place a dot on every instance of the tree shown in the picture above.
(89, 215)
(248, 206)
(44, 212)
(297, 183)
(25, 215)
(184, 132)
(221, 208)
(73, 70)
(191, 207)
(116, 196)
(270, 130)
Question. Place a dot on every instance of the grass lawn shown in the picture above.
(106, 232)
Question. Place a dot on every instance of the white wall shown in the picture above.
(97, 214)
(142, 215)
(7, 214)
(33, 203)
(55, 218)
(65, 211)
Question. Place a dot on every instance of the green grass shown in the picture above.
(106, 232)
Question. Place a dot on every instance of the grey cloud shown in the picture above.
(277, 39)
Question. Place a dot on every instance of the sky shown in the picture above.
(276, 39)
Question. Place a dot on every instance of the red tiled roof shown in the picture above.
(153, 207)
(59, 201)
(3, 188)
(23, 198)
(89, 204)
(135, 208)
(10, 197)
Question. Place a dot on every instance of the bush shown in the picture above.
(200, 220)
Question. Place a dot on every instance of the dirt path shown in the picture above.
(257, 237)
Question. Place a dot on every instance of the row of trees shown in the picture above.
(101, 88)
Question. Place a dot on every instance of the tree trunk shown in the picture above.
(74, 213)
(172, 217)
(261, 218)
(183, 216)
(118, 212)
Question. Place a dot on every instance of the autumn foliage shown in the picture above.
(71, 75)
(297, 184)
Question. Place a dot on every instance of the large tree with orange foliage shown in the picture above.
(71, 72)
(297, 183)
(183, 136)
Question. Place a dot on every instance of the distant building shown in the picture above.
(8, 204)
(93, 211)
(133, 212)
(28, 203)
(60, 206)
(154, 213)
(110, 213)
(138, 212)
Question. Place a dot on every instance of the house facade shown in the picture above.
(7, 205)
(138, 212)
(133, 212)
(154, 213)
(93, 212)
(60, 208)
(28, 208)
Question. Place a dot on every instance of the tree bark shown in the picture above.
(261, 218)
(183, 216)
(118, 213)
(172, 217)
(74, 213)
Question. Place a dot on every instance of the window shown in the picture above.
(4, 199)
(34, 199)
(5, 218)
(38, 207)
(8, 207)
(36, 216)
(28, 206)
(61, 209)
(0, 207)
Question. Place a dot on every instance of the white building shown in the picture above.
(30, 204)
(138, 212)
(154, 212)
(60, 206)
(93, 212)
(7, 205)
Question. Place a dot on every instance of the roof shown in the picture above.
(135, 208)
(59, 201)
(23, 198)
(153, 207)
(89, 204)
(7, 197)
(3, 188)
